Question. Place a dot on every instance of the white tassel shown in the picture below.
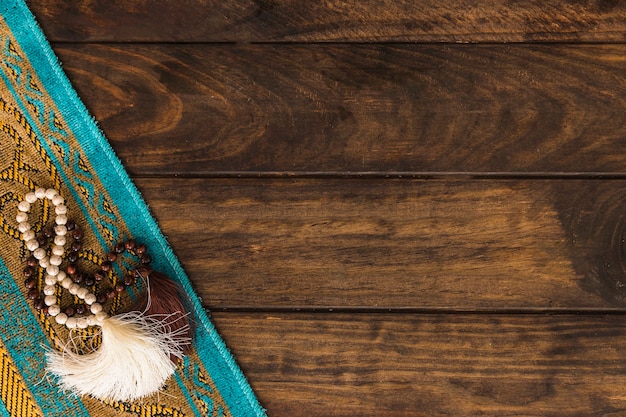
(133, 360)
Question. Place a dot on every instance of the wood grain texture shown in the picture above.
(594, 220)
(432, 365)
(468, 245)
(279, 149)
(214, 110)
(328, 21)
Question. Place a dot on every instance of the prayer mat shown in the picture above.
(48, 141)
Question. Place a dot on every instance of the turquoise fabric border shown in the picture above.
(219, 362)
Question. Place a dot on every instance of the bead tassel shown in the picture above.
(139, 349)
(163, 300)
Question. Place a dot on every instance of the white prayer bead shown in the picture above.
(95, 308)
(60, 209)
(67, 281)
(90, 298)
(60, 240)
(50, 193)
(101, 316)
(91, 320)
(32, 245)
(50, 280)
(58, 250)
(23, 206)
(61, 219)
(73, 289)
(49, 289)
(40, 192)
(50, 300)
(28, 235)
(44, 262)
(60, 230)
(23, 227)
(39, 253)
(56, 260)
(52, 269)
(82, 292)
(71, 323)
(81, 323)
(61, 318)
(54, 310)
(21, 217)
(30, 197)
(58, 200)
(62, 275)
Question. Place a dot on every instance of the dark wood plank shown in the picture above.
(212, 110)
(431, 365)
(305, 21)
(377, 244)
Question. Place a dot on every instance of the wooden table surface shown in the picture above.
(391, 208)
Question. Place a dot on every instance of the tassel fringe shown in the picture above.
(133, 360)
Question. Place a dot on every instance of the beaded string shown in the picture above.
(70, 278)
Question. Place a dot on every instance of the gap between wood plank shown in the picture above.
(557, 311)
(328, 43)
(389, 175)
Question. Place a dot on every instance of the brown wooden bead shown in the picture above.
(146, 259)
(106, 266)
(99, 275)
(130, 244)
(77, 234)
(76, 246)
(42, 240)
(78, 278)
(101, 297)
(71, 269)
(39, 304)
(29, 271)
(80, 309)
(129, 279)
(120, 287)
(70, 311)
(30, 283)
(32, 261)
(70, 225)
(143, 272)
(110, 293)
(140, 249)
(119, 248)
(48, 232)
(72, 256)
(89, 280)
(112, 256)
(33, 294)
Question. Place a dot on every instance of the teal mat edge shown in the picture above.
(216, 357)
